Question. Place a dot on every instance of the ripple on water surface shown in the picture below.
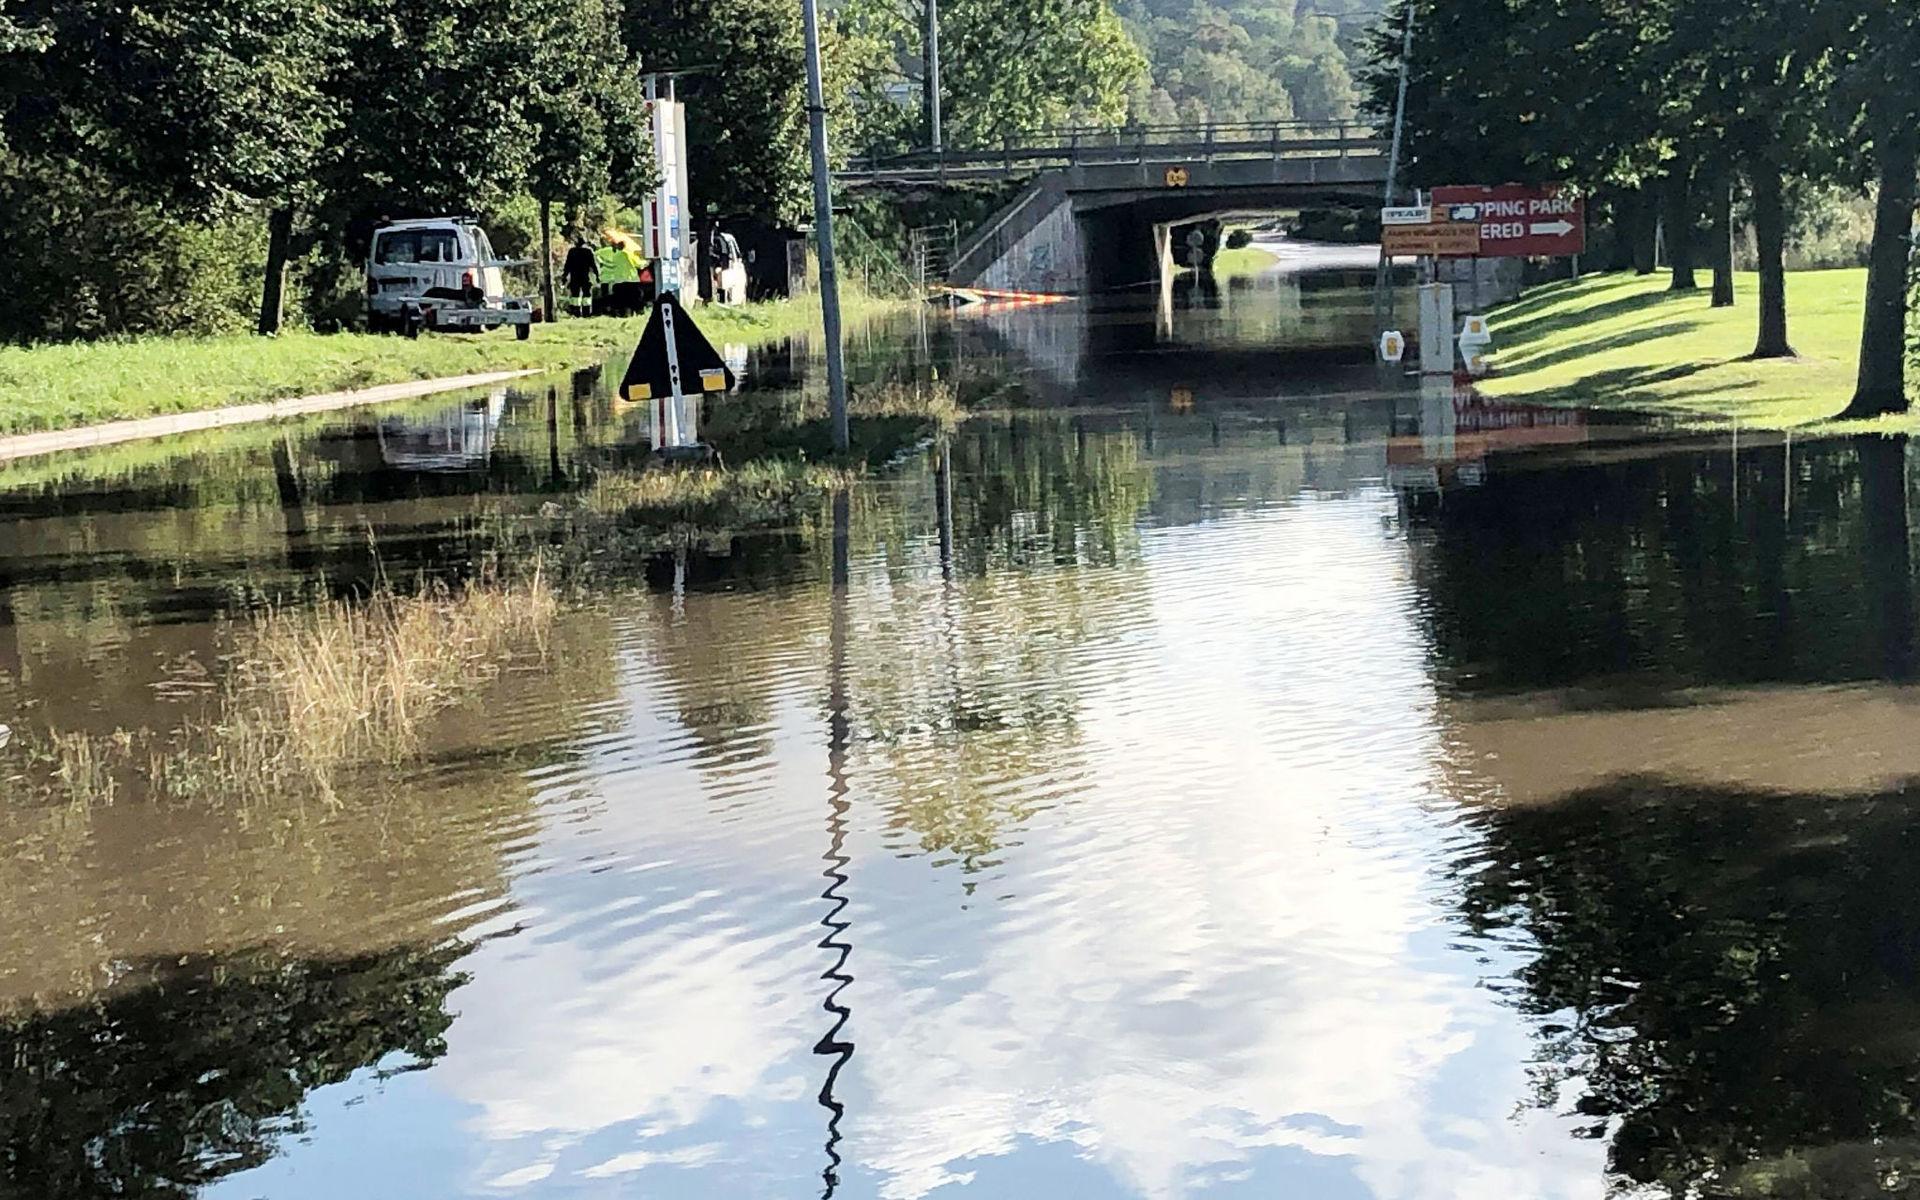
(1219, 820)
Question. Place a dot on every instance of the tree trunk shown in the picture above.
(1882, 386)
(1770, 235)
(1646, 232)
(1622, 220)
(1723, 240)
(1679, 212)
(546, 259)
(273, 291)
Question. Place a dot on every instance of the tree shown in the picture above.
(149, 141)
(1625, 91)
(1878, 75)
(216, 109)
(1580, 112)
(1238, 60)
(1763, 96)
(587, 110)
(746, 125)
(18, 39)
(1008, 66)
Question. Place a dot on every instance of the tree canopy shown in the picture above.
(1238, 60)
(1673, 106)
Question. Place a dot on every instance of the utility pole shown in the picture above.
(1393, 166)
(823, 226)
(933, 75)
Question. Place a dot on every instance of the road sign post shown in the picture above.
(1436, 329)
(672, 360)
(664, 234)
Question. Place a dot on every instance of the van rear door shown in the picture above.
(492, 280)
(419, 262)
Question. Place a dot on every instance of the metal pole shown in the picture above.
(823, 225)
(1393, 165)
(933, 73)
(1400, 108)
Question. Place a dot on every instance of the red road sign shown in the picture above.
(1523, 221)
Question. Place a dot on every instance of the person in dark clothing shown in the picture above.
(581, 271)
(722, 253)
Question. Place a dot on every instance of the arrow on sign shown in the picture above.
(1550, 228)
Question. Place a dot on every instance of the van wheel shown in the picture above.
(376, 324)
(522, 332)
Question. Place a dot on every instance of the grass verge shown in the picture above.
(1624, 342)
(1243, 260)
(85, 383)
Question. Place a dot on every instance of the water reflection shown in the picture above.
(164, 1089)
(1727, 982)
(839, 738)
(1660, 568)
(1208, 773)
(458, 437)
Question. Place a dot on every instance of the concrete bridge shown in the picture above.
(1101, 204)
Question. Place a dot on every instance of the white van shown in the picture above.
(439, 273)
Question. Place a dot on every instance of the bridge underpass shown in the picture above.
(1099, 206)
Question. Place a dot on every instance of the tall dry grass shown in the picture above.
(936, 400)
(320, 689)
(315, 694)
(755, 493)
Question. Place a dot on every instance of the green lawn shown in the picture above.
(1625, 342)
(84, 383)
(1245, 260)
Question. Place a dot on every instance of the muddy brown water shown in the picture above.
(1220, 774)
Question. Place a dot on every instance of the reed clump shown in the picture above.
(314, 694)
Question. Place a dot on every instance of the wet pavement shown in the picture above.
(1213, 771)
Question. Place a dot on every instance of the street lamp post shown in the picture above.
(1393, 166)
(933, 75)
(823, 226)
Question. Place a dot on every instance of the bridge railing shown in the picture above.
(1106, 145)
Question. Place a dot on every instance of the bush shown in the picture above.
(84, 259)
(1343, 225)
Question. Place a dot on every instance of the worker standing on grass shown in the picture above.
(581, 272)
(619, 275)
(722, 253)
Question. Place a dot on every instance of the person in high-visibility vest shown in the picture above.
(619, 277)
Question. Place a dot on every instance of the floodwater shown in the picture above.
(1217, 772)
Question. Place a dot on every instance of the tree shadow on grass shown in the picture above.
(1523, 333)
(1578, 350)
(1624, 388)
(1547, 296)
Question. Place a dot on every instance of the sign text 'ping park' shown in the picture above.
(1522, 220)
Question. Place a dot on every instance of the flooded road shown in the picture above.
(1212, 771)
